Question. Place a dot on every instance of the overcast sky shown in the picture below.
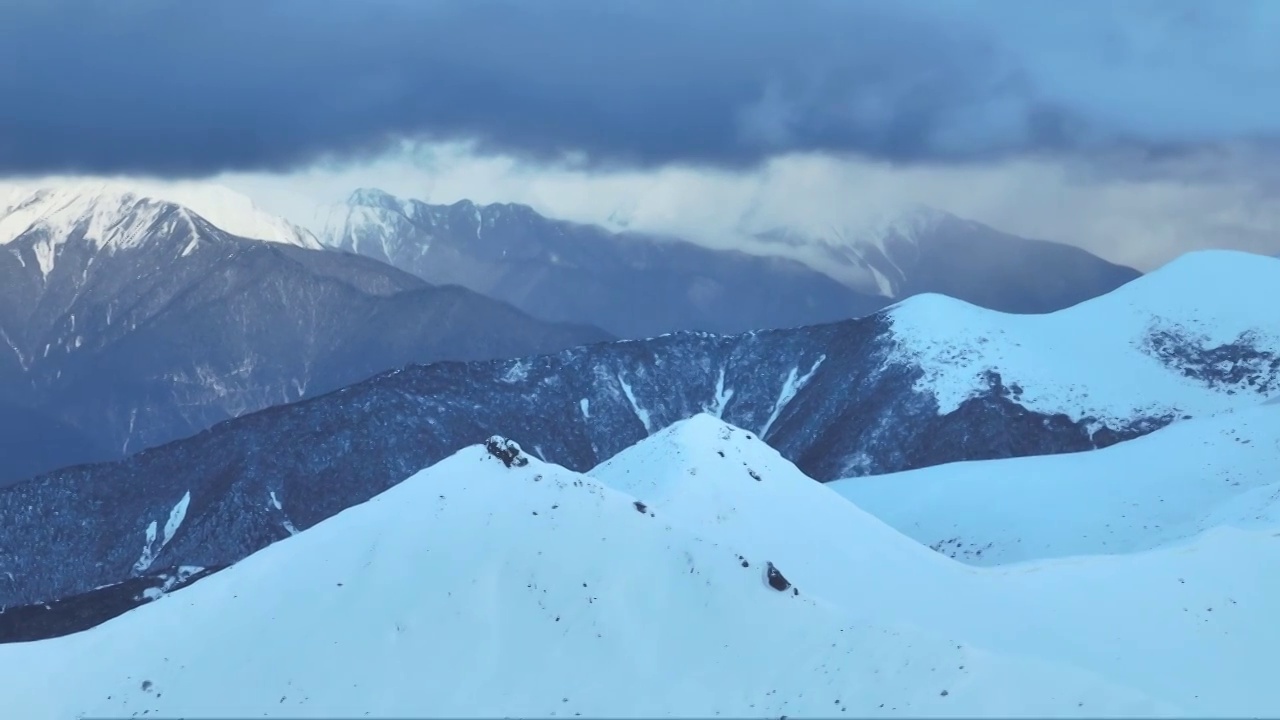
(1135, 129)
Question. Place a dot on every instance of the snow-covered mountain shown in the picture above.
(58, 207)
(135, 320)
(1113, 610)
(493, 584)
(637, 285)
(630, 284)
(1154, 491)
(917, 249)
(929, 381)
(477, 590)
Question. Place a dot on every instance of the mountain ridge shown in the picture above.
(851, 398)
(640, 285)
(137, 321)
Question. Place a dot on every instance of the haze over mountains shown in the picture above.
(637, 285)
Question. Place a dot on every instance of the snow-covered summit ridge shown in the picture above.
(481, 590)
(59, 206)
(1190, 336)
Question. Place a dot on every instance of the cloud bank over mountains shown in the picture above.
(184, 89)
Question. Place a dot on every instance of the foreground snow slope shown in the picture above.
(478, 590)
(1149, 492)
(1160, 345)
(1192, 622)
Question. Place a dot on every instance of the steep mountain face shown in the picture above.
(924, 250)
(629, 284)
(930, 381)
(135, 321)
(637, 285)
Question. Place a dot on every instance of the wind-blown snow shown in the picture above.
(480, 590)
(1151, 492)
(1100, 358)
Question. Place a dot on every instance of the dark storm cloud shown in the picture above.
(192, 87)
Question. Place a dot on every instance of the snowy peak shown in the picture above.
(99, 215)
(701, 454)
(1184, 340)
(116, 213)
(705, 473)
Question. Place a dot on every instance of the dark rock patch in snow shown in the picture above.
(775, 578)
(507, 451)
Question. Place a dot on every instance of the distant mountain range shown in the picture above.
(637, 285)
(128, 321)
(930, 381)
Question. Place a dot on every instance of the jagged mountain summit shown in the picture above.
(638, 285)
(486, 588)
(919, 249)
(930, 381)
(630, 284)
(698, 573)
(133, 321)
